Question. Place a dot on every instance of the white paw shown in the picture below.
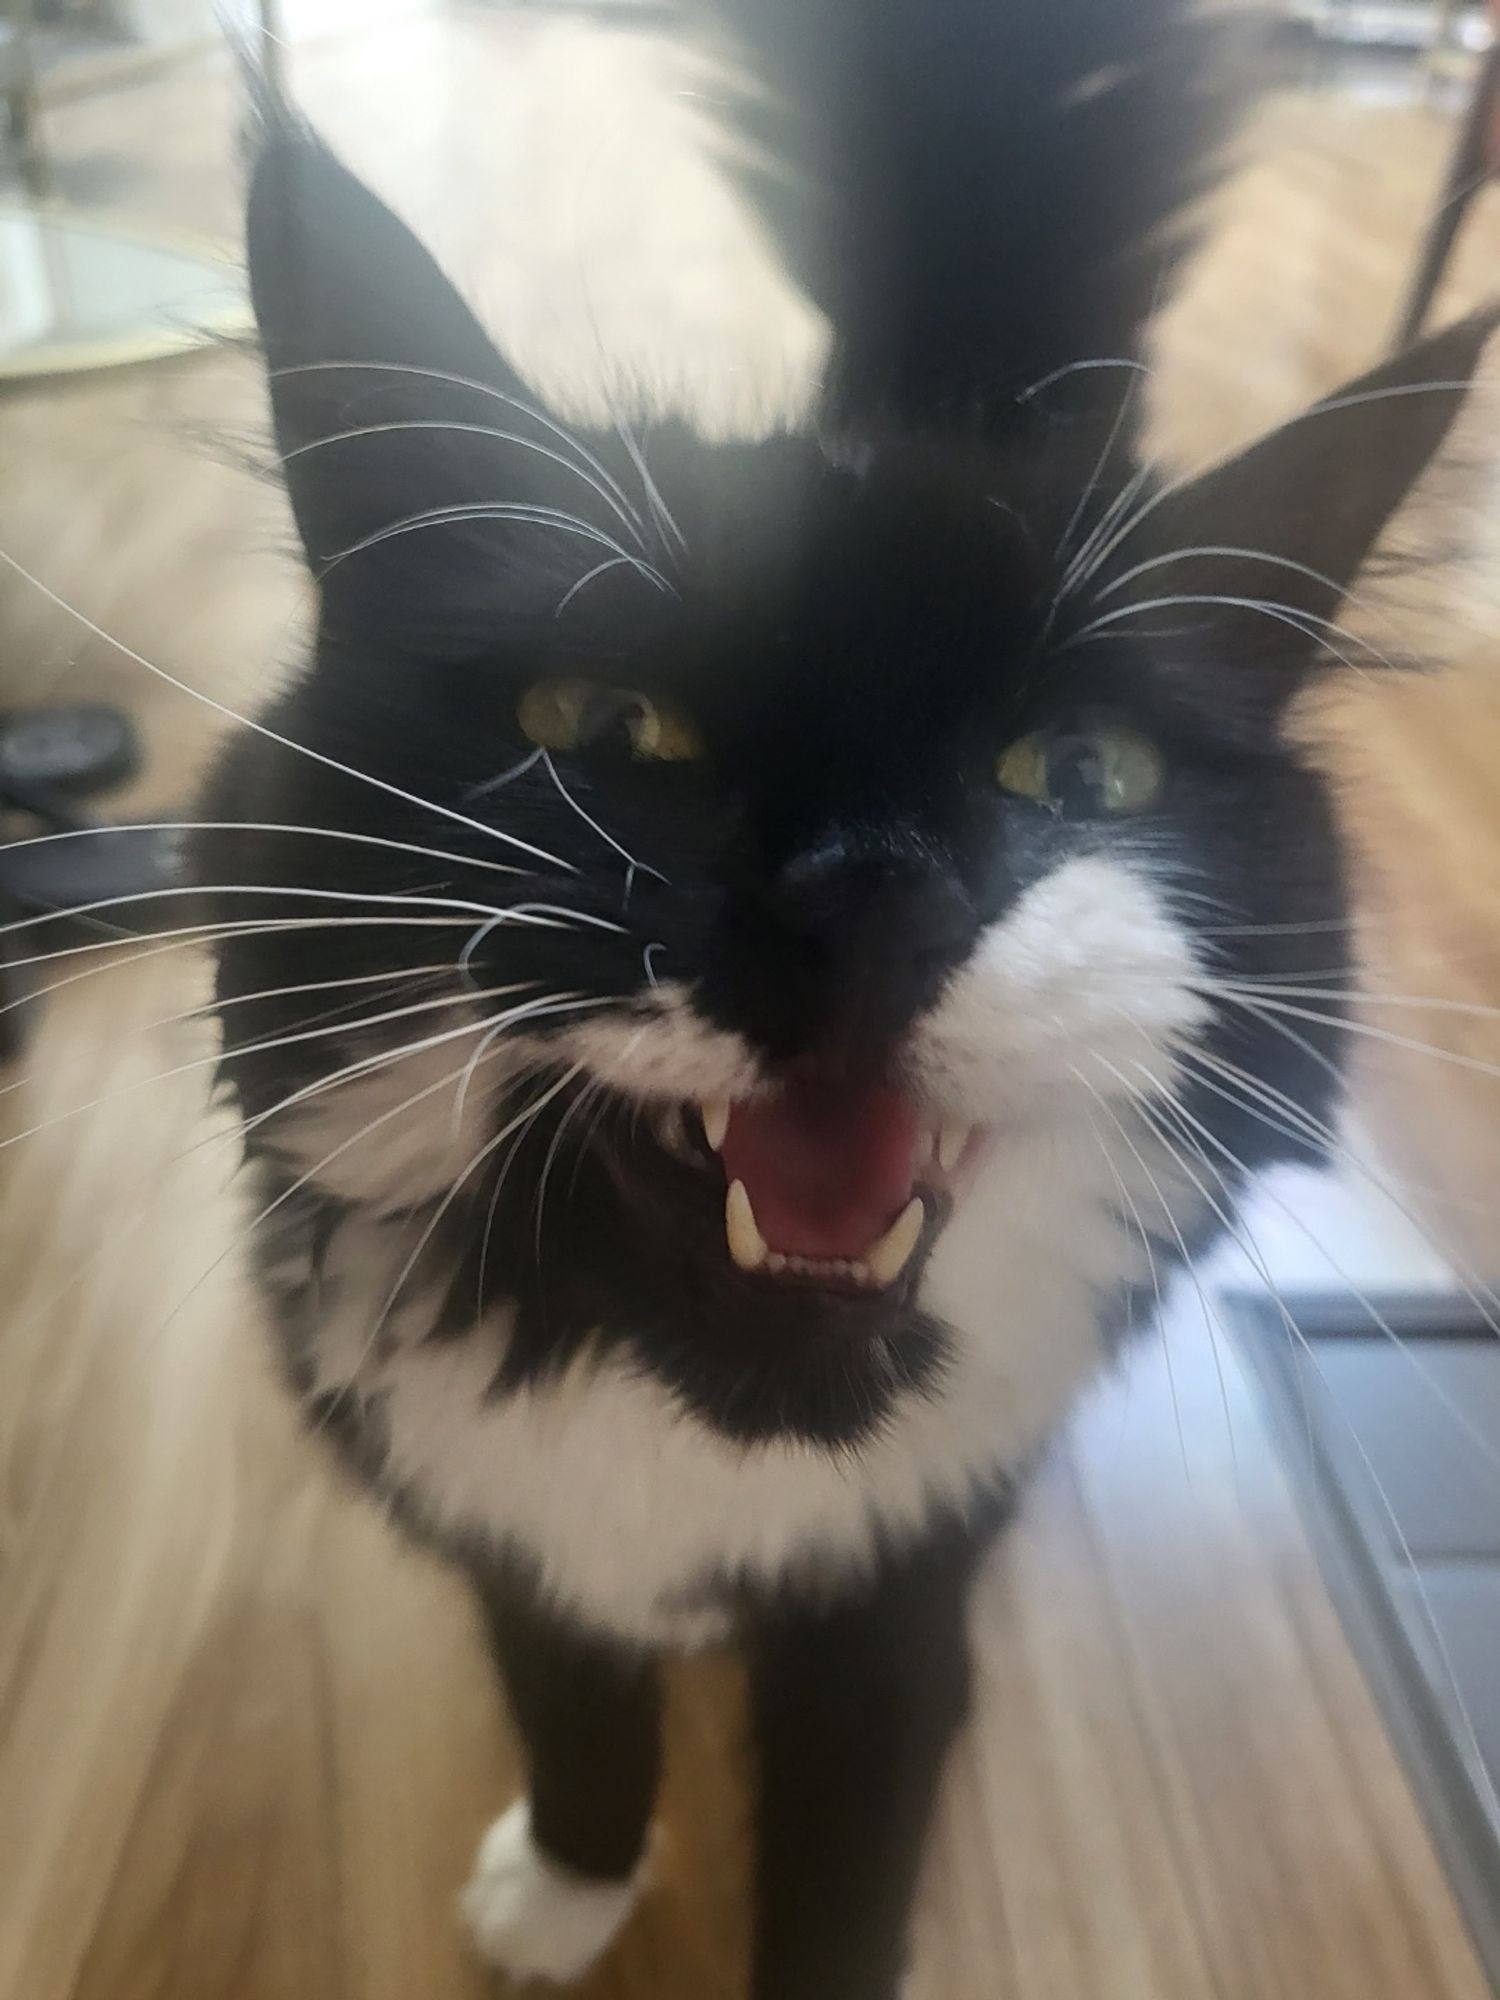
(531, 1916)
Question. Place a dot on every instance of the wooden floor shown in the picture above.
(246, 1742)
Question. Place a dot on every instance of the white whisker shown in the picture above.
(1308, 623)
(269, 826)
(659, 508)
(487, 389)
(1252, 1251)
(479, 511)
(608, 838)
(267, 890)
(451, 1193)
(114, 955)
(628, 519)
(274, 736)
(221, 1056)
(599, 569)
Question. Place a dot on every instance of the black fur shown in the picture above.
(860, 618)
(978, 195)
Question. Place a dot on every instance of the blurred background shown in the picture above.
(1242, 1661)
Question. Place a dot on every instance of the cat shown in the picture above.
(848, 864)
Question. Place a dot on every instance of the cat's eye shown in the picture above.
(566, 714)
(1084, 768)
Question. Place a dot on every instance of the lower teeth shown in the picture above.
(850, 1270)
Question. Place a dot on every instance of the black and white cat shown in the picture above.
(759, 944)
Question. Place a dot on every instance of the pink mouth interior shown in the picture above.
(827, 1167)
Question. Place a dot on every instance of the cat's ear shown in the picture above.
(397, 421)
(1288, 523)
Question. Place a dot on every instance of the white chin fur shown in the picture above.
(533, 1918)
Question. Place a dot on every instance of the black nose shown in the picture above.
(878, 936)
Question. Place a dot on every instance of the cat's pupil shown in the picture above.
(614, 719)
(1076, 778)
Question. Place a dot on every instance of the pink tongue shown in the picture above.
(827, 1168)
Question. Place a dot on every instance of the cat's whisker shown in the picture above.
(1091, 485)
(491, 1213)
(480, 511)
(554, 1004)
(1095, 362)
(271, 735)
(1281, 1113)
(1341, 591)
(541, 916)
(1482, 1297)
(231, 1135)
(1308, 927)
(511, 772)
(605, 1103)
(243, 1049)
(257, 1222)
(122, 958)
(628, 520)
(389, 975)
(1358, 996)
(1188, 1261)
(486, 389)
(1086, 562)
(1452, 1408)
(1132, 1208)
(268, 891)
(661, 512)
(1308, 623)
(573, 917)
(1349, 1025)
(584, 1097)
(1354, 400)
(517, 1125)
(634, 866)
(358, 1070)
(181, 826)
(1252, 1251)
(1308, 1128)
(583, 582)
(114, 955)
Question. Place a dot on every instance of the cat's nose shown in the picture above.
(879, 936)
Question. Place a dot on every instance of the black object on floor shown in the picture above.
(1389, 1417)
(59, 867)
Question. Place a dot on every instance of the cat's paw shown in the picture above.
(532, 1917)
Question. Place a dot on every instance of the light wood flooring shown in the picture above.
(246, 1742)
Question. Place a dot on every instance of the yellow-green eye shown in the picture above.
(1084, 768)
(585, 715)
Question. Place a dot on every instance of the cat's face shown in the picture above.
(798, 830)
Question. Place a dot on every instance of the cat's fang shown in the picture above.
(715, 1112)
(746, 1244)
(892, 1253)
(951, 1143)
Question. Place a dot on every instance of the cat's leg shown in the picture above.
(855, 1706)
(558, 1874)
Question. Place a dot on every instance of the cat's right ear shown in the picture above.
(391, 405)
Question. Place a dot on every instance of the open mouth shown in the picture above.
(833, 1185)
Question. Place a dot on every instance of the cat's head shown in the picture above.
(762, 839)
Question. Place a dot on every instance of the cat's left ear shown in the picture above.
(1289, 522)
(398, 421)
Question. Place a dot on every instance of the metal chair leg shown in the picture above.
(1468, 171)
